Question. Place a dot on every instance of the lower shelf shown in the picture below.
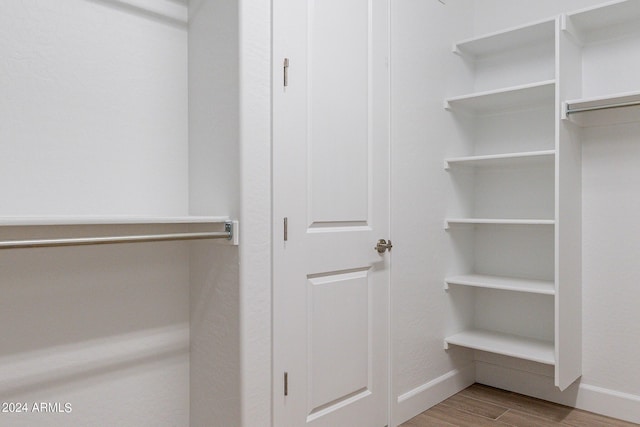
(494, 221)
(503, 283)
(505, 344)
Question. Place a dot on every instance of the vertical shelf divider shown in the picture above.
(568, 252)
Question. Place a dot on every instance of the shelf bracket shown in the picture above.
(232, 227)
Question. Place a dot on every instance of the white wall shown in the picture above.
(495, 15)
(93, 120)
(105, 329)
(214, 107)
(255, 214)
(421, 65)
(93, 108)
(214, 187)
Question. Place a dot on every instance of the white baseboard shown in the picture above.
(421, 398)
(590, 398)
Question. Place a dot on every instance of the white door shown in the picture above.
(331, 182)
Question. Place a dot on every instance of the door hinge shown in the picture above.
(286, 384)
(286, 228)
(286, 72)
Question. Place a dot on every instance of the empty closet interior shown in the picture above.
(113, 132)
(514, 153)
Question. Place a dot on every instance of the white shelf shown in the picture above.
(609, 109)
(491, 221)
(503, 283)
(508, 159)
(505, 99)
(108, 220)
(604, 21)
(513, 38)
(505, 344)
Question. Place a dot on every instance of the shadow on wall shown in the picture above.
(77, 315)
(90, 361)
(172, 12)
(215, 335)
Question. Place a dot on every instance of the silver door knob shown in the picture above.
(383, 245)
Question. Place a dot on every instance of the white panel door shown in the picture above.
(331, 182)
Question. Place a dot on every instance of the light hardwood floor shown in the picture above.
(480, 405)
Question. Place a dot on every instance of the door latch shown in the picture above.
(383, 245)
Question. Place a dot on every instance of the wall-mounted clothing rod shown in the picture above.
(108, 240)
(601, 107)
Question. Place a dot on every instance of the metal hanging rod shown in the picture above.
(84, 241)
(602, 107)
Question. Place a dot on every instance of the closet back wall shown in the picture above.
(93, 121)
(421, 133)
(94, 110)
(610, 234)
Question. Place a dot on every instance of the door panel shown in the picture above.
(331, 182)
(339, 115)
(339, 338)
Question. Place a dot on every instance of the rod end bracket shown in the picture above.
(232, 227)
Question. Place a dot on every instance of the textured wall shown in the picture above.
(213, 108)
(421, 134)
(255, 215)
(93, 109)
(93, 120)
(105, 329)
(214, 188)
(215, 336)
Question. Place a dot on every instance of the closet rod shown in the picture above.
(83, 241)
(601, 107)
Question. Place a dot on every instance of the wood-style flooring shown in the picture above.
(480, 405)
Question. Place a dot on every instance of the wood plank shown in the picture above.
(474, 406)
(488, 394)
(520, 419)
(580, 418)
(480, 405)
(458, 418)
(424, 420)
(518, 402)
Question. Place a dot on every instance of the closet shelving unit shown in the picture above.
(511, 164)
